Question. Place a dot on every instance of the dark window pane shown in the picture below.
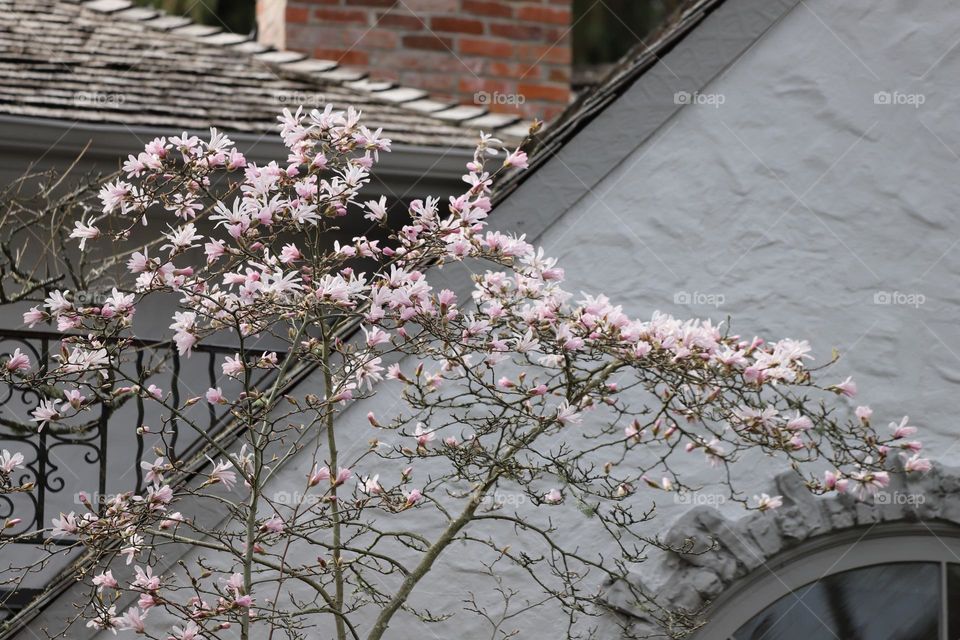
(886, 602)
(953, 601)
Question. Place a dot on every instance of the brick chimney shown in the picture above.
(511, 56)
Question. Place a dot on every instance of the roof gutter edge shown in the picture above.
(47, 138)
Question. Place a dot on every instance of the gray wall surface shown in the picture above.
(802, 206)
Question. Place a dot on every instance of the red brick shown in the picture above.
(427, 62)
(507, 69)
(470, 84)
(456, 25)
(507, 47)
(559, 53)
(484, 8)
(379, 39)
(399, 20)
(514, 31)
(432, 6)
(353, 56)
(370, 3)
(559, 74)
(484, 47)
(297, 14)
(435, 83)
(352, 16)
(428, 42)
(544, 14)
(556, 93)
(507, 108)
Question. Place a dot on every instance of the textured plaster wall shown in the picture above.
(805, 206)
(797, 200)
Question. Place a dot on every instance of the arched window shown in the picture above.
(893, 582)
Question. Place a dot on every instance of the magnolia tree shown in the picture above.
(517, 386)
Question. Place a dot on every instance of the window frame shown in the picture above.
(826, 555)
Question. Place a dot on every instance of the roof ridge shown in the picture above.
(304, 67)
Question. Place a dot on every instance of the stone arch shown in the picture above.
(721, 552)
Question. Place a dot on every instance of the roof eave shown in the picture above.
(408, 171)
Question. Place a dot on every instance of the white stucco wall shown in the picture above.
(797, 200)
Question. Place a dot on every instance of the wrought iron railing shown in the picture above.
(102, 456)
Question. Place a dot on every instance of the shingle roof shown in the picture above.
(109, 62)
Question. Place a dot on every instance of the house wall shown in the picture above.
(791, 198)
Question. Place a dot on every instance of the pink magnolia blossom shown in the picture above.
(138, 262)
(10, 461)
(864, 483)
(18, 362)
(172, 520)
(85, 231)
(46, 412)
(273, 525)
(766, 502)
(145, 579)
(222, 473)
(846, 388)
(554, 496)
(154, 470)
(65, 525)
(33, 317)
(917, 464)
(902, 430)
(233, 366)
(105, 580)
(423, 436)
(371, 485)
(343, 474)
(184, 325)
(318, 475)
(190, 631)
(132, 620)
